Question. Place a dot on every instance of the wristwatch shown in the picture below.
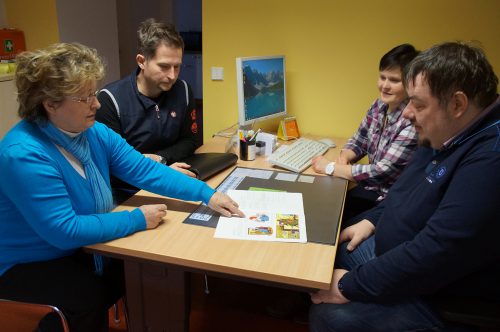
(340, 286)
(163, 160)
(330, 168)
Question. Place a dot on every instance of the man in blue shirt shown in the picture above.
(432, 236)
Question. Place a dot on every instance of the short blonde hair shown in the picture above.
(53, 73)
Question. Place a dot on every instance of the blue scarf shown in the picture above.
(79, 147)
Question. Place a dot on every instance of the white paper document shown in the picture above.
(269, 216)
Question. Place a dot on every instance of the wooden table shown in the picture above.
(157, 262)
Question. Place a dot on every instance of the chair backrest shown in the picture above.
(23, 316)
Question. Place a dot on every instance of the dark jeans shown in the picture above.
(357, 201)
(70, 284)
(412, 314)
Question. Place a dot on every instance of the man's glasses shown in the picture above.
(86, 100)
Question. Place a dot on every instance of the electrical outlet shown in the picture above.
(217, 73)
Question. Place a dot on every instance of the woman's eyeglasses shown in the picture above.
(86, 100)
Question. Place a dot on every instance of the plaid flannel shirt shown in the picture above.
(389, 147)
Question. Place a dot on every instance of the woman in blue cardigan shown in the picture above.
(55, 192)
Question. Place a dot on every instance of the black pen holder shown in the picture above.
(247, 150)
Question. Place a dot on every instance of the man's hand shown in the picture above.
(183, 168)
(357, 233)
(179, 167)
(319, 163)
(154, 214)
(333, 295)
(223, 204)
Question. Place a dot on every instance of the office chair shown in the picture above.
(207, 290)
(23, 316)
(116, 311)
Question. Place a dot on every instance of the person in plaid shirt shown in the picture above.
(430, 245)
(384, 136)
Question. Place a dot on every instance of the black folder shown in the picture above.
(204, 165)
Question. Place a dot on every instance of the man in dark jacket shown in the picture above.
(151, 108)
(435, 234)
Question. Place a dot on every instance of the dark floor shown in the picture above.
(235, 306)
(231, 306)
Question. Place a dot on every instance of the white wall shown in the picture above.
(92, 23)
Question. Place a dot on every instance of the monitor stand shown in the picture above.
(233, 144)
(246, 127)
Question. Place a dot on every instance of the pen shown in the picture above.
(255, 135)
(242, 137)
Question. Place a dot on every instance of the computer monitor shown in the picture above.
(261, 89)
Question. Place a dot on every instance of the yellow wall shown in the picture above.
(37, 18)
(332, 49)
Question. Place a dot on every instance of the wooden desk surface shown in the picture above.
(308, 265)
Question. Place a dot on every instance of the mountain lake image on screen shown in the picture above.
(261, 88)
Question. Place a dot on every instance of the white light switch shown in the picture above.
(217, 73)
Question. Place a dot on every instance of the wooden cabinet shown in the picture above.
(8, 104)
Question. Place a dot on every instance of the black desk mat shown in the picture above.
(323, 201)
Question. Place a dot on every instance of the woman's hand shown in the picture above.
(346, 156)
(153, 214)
(223, 204)
(319, 163)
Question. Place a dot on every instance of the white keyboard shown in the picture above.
(297, 156)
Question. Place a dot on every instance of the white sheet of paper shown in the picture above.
(269, 216)
(291, 177)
